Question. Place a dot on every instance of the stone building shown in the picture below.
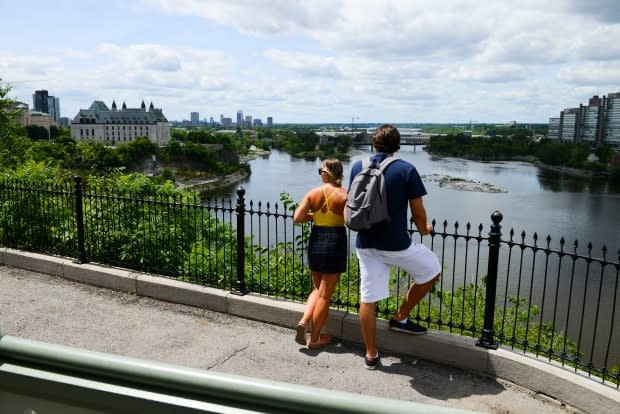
(113, 126)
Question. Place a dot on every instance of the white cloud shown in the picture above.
(421, 60)
(265, 19)
(305, 64)
(606, 72)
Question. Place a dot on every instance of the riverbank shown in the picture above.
(214, 183)
(574, 172)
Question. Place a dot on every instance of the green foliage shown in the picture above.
(459, 145)
(36, 220)
(95, 158)
(614, 174)
(604, 153)
(38, 133)
(516, 323)
(38, 172)
(166, 174)
(135, 152)
(139, 224)
(13, 142)
(305, 143)
(200, 157)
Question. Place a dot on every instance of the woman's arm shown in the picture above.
(302, 212)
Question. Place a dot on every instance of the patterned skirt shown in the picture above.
(327, 249)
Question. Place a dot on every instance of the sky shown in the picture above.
(316, 61)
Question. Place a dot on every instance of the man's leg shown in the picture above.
(414, 296)
(368, 323)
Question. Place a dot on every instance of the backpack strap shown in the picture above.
(386, 162)
(382, 165)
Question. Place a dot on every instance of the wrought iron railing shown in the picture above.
(553, 302)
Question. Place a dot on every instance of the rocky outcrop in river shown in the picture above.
(461, 184)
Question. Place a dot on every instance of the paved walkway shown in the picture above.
(56, 310)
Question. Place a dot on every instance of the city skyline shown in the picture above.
(317, 62)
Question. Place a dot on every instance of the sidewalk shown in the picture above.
(56, 310)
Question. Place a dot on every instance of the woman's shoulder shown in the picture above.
(315, 192)
(341, 193)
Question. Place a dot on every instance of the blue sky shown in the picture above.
(316, 61)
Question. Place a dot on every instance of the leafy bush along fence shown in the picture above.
(553, 302)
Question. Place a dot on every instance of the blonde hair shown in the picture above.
(333, 167)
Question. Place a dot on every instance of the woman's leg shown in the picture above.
(311, 302)
(326, 283)
(300, 330)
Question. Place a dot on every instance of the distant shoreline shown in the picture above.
(571, 171)
(214, 183)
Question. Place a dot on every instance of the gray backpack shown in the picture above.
(367, 199)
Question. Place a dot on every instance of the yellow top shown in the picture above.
(329, 218)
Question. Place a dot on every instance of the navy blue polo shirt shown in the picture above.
(403, 183)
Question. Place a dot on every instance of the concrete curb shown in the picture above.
(538, 375)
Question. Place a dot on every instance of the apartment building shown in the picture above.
(612, 119)
(596, 123)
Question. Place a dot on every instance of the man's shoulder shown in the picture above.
(400, 164)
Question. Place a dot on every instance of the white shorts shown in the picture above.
(417, 260)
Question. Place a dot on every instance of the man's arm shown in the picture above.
(418, 215)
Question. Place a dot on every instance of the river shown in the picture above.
(535, 200)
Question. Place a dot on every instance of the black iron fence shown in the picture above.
(552, 301)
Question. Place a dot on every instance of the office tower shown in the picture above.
(239, 117)
(194, 118)
(53, 104)
(248, 120)
(40, 101)
(269, 121)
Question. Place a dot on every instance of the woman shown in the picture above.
(327, 249)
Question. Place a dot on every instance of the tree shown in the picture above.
(38, 133)
(134, 152)
(13, 142)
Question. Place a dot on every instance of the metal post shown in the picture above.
(79, 217)
(486, 340)
(240, 287)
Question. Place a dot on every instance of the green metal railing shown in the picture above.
(41, 378)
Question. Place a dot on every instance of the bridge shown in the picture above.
(408, 136)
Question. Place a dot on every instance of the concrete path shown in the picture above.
(60, 311)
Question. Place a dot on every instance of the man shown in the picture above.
(379, 250)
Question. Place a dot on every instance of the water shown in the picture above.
(536, 200)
